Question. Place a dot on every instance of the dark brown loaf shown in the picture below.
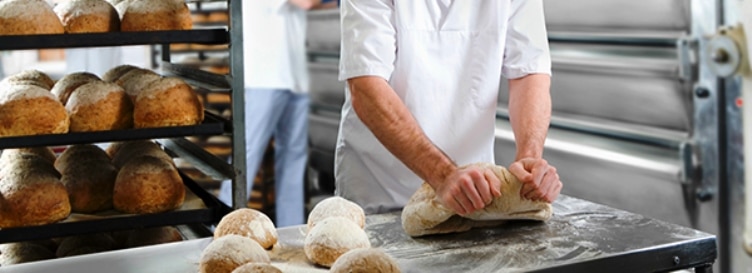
(148, 185)
(32, 193)
(134, 149)
(167, 102)
(83, 16)
(31, 110)
(10, 154)
(99, 106)
(80, 154)
(26, 17)
(68, 83)
(151, 15)
(88, 176)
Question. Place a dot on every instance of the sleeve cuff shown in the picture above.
(382, 71)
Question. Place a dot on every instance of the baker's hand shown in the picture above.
(468, 189)
(540, 180)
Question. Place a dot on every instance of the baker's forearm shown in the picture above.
(530, 113)
(384, 113)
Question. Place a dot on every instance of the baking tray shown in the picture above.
(212, 125)
(201, 36)
(199, 207)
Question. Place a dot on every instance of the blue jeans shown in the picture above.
(284, 115)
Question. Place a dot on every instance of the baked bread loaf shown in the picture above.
(23, 252)
(99, 106)
(257, 268)
(331, 238)
(11, 154)
(249, 223)
(31, 110)
(152, 236)
(28, 17)
(31, 191)
(167, 102)
(68, 83)
(148, 185)
(85, 244)
(115, 73)
(30, 77)
(336, 206)
(151, 15)
(136, 80)
(84, 16)
(134, 149)
(424, 215)
(88, 176)
(225, 254)
(365, 260)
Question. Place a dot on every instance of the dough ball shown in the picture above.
(249, 223)
(226, 253)
(331, 238)
(257, 268)
(336, 206)
(365, 260)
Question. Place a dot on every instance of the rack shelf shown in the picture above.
(200, 36)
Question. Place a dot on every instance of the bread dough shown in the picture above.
(249, 223)
(424, 215)
(225, 254)
(336, 206)
(257, 268)
(331, 238)
(365, 260)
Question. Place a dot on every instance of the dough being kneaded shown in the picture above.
(424, 215)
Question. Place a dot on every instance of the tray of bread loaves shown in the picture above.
(126, 103)
(28, 24)
(86, 189)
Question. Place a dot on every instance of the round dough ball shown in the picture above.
(336, 206)
(84, 16)
(99, 106)
(331, 238)
(365, 260)
(249, 223)
(257, 268)
(225, 254)
(66, 85)
(28, 17)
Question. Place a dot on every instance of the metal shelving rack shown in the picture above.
(170, 137)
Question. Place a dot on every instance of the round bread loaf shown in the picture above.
(31, 110)
(257, 268)
(136, 80)
(85, 244)
(32, 193)
(23, 252)
(88, 176)
(115, 73)
(225, 254)
(115, 147)
(249, 223)
(148, 185)
(336, 206)
(99, 106)
(365, 260)
(83, 16)
(331, 238)
(28, 17)
(66, 85)
(30, 77)
(134, 149)
(44, 152)
(167, 102)
(152, 236)
(151, 15)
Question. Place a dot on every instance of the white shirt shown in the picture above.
(274, 45)
(444, 59)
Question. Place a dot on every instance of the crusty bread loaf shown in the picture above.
(30, 77)
(115, 73)
(133, 149)
(150, 15)
(89, 177)
(32, 193)
(31, 110)
(167, 102)
(148, 185)
(82, 16)
(99, 106)
(136, 80)
(10, 154)
(152, 236)
(27, 17)
(85, 244)
(68, 83)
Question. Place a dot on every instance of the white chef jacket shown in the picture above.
(274, 45)
(444, 59)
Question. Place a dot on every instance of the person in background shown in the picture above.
(276, 99)
(422, 86)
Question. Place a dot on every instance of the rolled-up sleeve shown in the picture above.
(368, 39)
(526, 49)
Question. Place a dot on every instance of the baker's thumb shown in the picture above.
(519, 171)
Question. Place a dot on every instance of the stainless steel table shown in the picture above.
(581, 237)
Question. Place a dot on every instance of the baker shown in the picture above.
(422, 86)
